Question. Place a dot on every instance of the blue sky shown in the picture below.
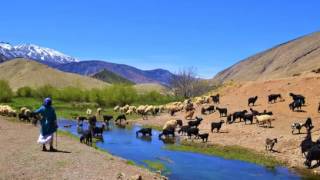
(171, 34)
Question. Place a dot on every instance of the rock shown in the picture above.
(136, 177)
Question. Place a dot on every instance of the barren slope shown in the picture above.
(21, 72)
(284, 60)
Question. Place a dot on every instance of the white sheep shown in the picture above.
(264, 119)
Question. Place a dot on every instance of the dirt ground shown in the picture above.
(235, 98)
(21, 157)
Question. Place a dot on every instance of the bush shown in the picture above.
(25, 92)
(6, 92)
(45, 91)
(70, 94)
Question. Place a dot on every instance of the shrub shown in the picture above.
(45, 91)
(6, 93)
(25, 92)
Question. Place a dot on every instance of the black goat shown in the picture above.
(121, 117)
(296, 104)
(192, 131)
(252, 100)
(308, 124)
(222, 111)
(307, 144)
(86, 137)
(272, 98)
(209, 109)
(204, 137)
(270, 144)
(298, 97)
(195, 123)
(107, 118)
(173, 111)
(183, 130)
(167, 132)
(98, 131)
(179, 122)
(248, 117)
(155, 111)
(312, 155)
(144, 132)
(216, 99)
(23, 117)
(239, 114)
(216, 125)
(229, 119)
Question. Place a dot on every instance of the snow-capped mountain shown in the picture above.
(34, 52)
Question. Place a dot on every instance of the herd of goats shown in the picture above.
(309, 148)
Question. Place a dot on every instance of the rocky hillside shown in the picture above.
(21, 72)
(285, 60)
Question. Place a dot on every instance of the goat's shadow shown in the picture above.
(145, 138)
(275, 151)
(300, 111)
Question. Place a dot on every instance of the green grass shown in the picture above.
(132, 163)
(227, 152)
(155, 165)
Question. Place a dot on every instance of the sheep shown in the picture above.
(99, 111)
(195, 123)
(264, 119)
(144, 132)
(272, 98)
(189, 114)
(296, 126)
(23, 117)
(239, 114)
(252, 100)
(86, 137)
(222, 111)
(270, 144)
(312, 155)
(192, 131)
(210, 109)
(172, 124)
(248, 117)
(89, 112)
(298, 97)
(216, 99)
(204, 137)
(189, 106)
(296, 104)
(121, 117)
(155, 110)
(216, 125)
(167, 132)
(116, 108)
(183, 130)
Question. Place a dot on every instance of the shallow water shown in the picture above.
(123, 142)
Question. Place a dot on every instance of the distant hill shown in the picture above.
(285, 60)
(133, 74)
(148, 87)
(110, 77)
(22, 72)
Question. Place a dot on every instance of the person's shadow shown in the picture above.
(58, 151)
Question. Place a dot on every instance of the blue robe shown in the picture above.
(48, 121)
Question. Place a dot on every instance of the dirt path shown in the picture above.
(22, 158)
(252, 136)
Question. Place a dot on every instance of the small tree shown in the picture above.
(25, 92)
(186, 84)
(6, 93)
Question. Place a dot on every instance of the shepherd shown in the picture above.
(48, 124)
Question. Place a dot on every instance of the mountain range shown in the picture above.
(60, 61)
(288, 59)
